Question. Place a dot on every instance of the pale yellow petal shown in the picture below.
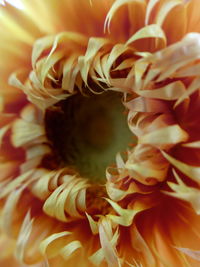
(67, 251)
(150, 31)
(49, 240)
(169, 135)
(23, 237)
(117, 4)
(25, 132)
(194, 254)
(191, 171)
(108, 248)
(125, 217)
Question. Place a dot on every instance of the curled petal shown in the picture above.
(150, 31)
(67, 251)
(94, 45)
(117, 4)
(64, 199)
(46, 243)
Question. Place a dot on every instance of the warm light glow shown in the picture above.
(100, 133)
(16, 3)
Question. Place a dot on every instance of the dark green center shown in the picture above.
(88, 132)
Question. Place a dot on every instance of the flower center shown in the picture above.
(88, 131)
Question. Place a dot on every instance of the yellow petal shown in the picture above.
(150, 31)
(194, 86)
(117, 4)
(125, 217)
(195, 144)
(70, 248)
(9, 209)
(150, 6)
(184, 192)
(191, 171)
(93, 224)
(194, 254)
(171, 91)
(165, 9)
(108, 248)
(24, 132)
(23, 237)
(84, 62)
(44, 245)
(169, 135)
(23, 178)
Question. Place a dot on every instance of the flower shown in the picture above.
(79, 187)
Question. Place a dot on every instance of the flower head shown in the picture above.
(99, 133)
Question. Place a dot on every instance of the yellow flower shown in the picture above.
(78, 187)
